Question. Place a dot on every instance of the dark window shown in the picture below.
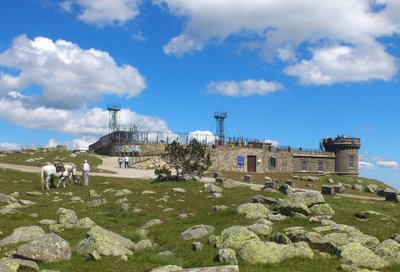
(272, 162)
(304, 165)
(320, 166)
(351, 162)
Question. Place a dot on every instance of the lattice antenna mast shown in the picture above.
(220, 119)
(113, 110)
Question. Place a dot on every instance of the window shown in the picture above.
(304, 166)
(272, 162)
(320, 166)
(351, 162)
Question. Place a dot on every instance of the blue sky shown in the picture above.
(289, 72)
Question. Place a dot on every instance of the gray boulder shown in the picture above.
(322, 209)
(253, 210)
(23, 234)
(196, 232)
(84, 223)
(288, 206)
(7, 199)
(264, 200)
(227, 256)
(272, 253)
(8, 264)
(66, 216)
(211, 188)
(49, 248)
(389, 250)
(357, 255)
(235, 237)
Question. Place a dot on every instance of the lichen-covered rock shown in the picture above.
(7, 199)
(197, 246)
(280, 238)
(196, 232)
(289, 206)
(143, 244)
(268, 252)
(308, 198)
(23, 234)
(167, 268)
(8, 264)
(93, 193)
(317, 242)
(389, 250)
(396, 237)
(261, 228)
(66, 216)
(151, 223)
(235, 237)
(322, 209)
(49, 248)
(211, 188)
(106, 243)
(358, 255)
(84, 223)
(123, 192)
(253, 210)
(227, 256)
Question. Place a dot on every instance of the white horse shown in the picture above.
(49, 172)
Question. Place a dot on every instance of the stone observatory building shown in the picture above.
(340, 156)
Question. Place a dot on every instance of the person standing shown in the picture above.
(126, 159)
(86, 170)
(120, 161)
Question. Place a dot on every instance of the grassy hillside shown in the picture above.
(194, 202)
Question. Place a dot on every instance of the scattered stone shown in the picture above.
(137, 210)
(264, 200)
(125, 207)
(22, 234)
(227, 256)
(219, 207)
(6, 210)
(121, 200)
(267, 178)
(253, 210)
(235, 237)
(322, 209)
(262, 227)
(49, 248)
(331, 180)
(389, 250)
(357, 187)
(280, 238)
(15, 194)
(77, 199)
(360, 256)
(147, 192)
(248, 178)
(167, 268)
(151, 223)
(106, 243)
(34, 215)
(371, 188)
(94, 255)
(66, 216)
(196, 232)
(97, 202)
(286, 189)
(8, 264)
(84, 223)
(93, 193)
(269, 184)
(215, 195)
(328, 189)
(178, 190)
(123, 192)
(220, 180)
(143, 244)
(47, 222)
(396, 237)
(166, 253)
(269, 252)
(183, 216)
(211, 188)
(197, 246)
(7, 199)
(168, 209)
(273, 216)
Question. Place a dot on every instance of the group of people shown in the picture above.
(123, 160)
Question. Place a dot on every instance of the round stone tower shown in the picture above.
(346, 152)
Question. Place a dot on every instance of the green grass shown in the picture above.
(165, 236)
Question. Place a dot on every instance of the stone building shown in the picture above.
(339, 157)
(340, 154)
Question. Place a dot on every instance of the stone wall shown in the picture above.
(312, 163)
(226, 159)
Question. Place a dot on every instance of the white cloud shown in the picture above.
(272, 142)
(138, 36)
(104, 12)
(68, 76)
(92, 122)
(9, 146)
(75, 144)
(366, 165)
(203, 136)
(387, 163)
(280, 28)
(243, 88)
(345, 64)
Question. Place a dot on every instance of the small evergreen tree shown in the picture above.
(192, 160)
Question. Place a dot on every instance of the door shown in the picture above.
(251, 164)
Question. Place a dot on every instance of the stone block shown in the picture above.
(248, 178)
(270, 184)
(289, 182)
(391, 195)
(328, 189)
(219, 180)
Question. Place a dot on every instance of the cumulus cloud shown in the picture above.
(9, 146)
(90, 122)
(104, 12)
(67, 76)
(354, 26)
(243, 88)
(366, 165)
(203, 136)
(388, 163)
(75, 144)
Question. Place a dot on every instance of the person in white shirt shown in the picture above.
(86, 170)
(126, 159)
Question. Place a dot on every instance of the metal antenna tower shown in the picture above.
(220, 118)
(113, 110)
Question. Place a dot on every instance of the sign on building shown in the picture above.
(240, 161)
